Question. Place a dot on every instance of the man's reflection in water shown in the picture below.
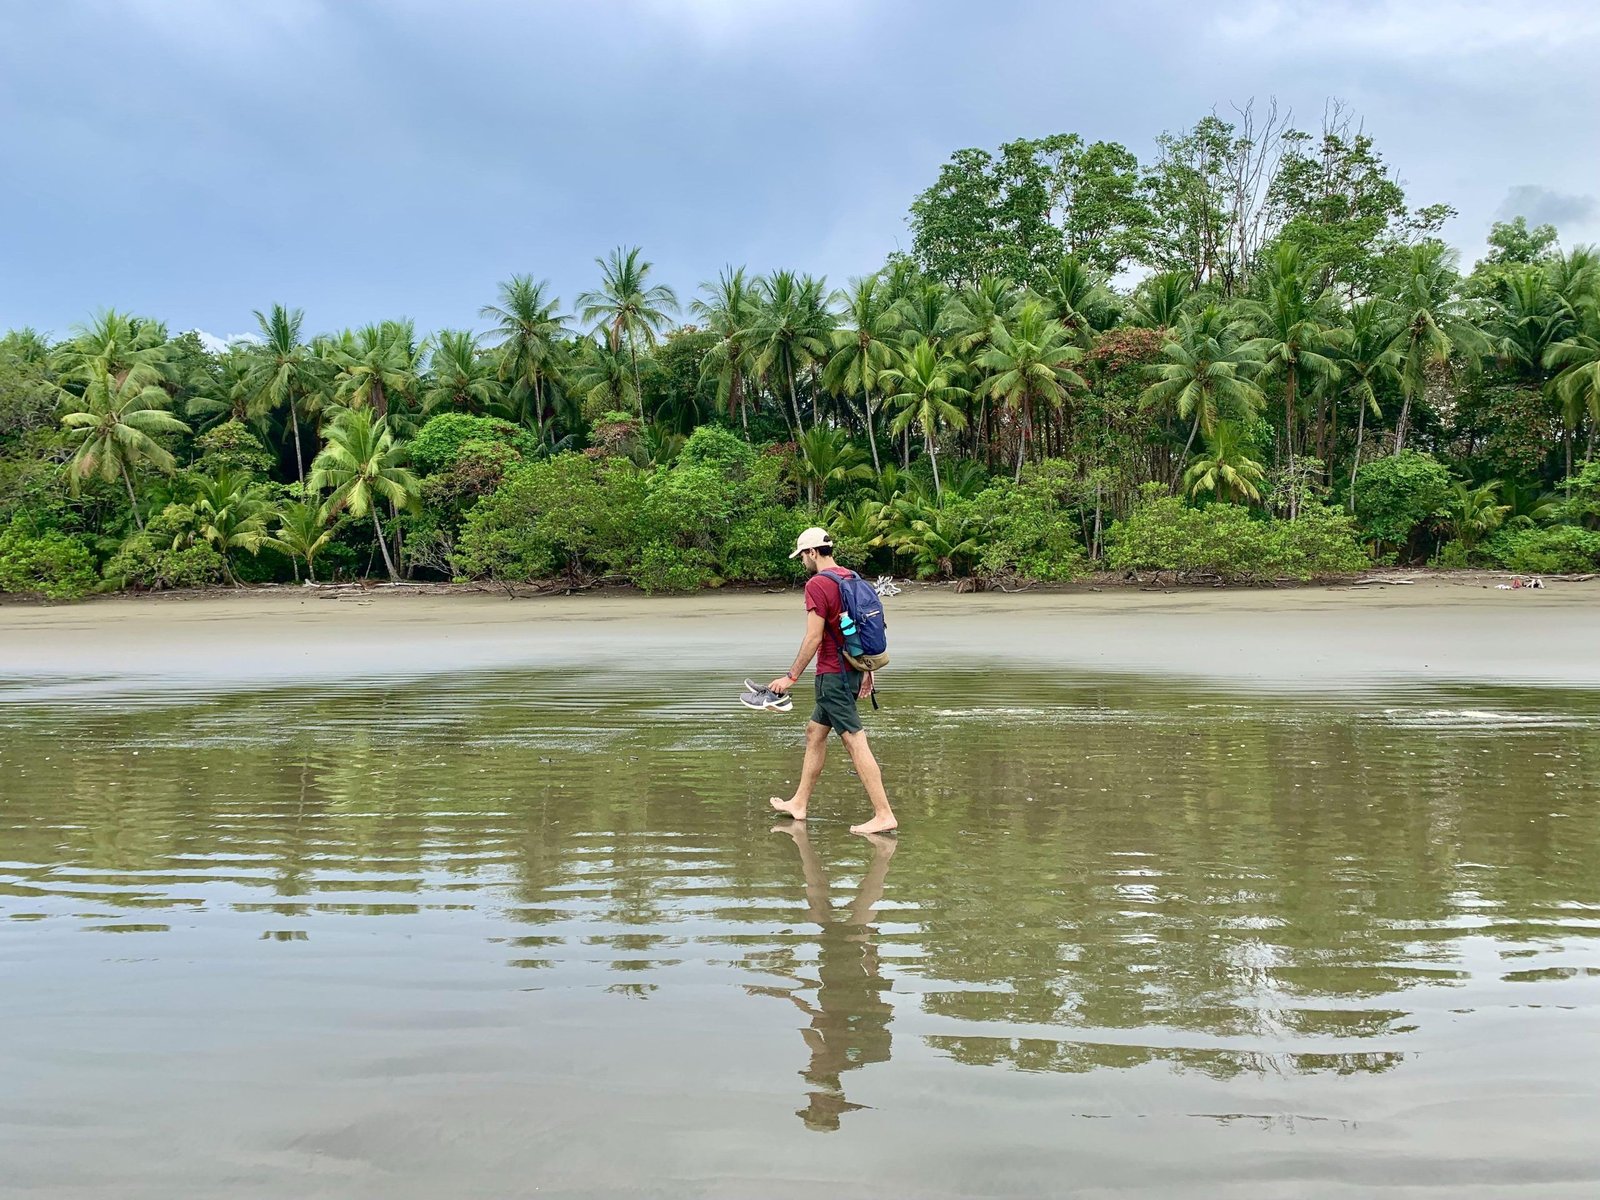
(849, 1024)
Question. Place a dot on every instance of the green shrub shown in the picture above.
(1396, 497)
(46, 563)
(571, 514)
(149, 560)
(231, 446)
(441, 442)
(1164, 534)
(1558, 550)
(1031, 529)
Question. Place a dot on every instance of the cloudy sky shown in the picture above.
(196, 159)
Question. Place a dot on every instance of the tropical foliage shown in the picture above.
(1249, 356)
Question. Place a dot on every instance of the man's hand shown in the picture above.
(866, 686)
(780, 685)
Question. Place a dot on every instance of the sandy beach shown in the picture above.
(1435, 630)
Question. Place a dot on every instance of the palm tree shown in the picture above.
(1207, 374)
(1161, 298)
(1027, 364)
(1435, 322)
(1293, 324)
(1526, 318)
(116, 422)
(233, 395)
(460, 377)
(1367, 357)
(377, 365)
(826, 456)
(229, 517)
(1577, 385)
(119, 344)
(600, 379)
(287, 372)
(929, 313)
(920, 388)
(1226, 470)
(729, 309)
(302, 532)
(531, 337)
(1078, 298)
(361, 464)
(26, 345)
(864, 347)
(787, 335)
(628, 306)
(1469, 514)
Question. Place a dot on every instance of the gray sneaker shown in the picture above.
(757, 697)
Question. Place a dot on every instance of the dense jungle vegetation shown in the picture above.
(1251, 357)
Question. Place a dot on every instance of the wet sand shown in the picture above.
(1434, 631)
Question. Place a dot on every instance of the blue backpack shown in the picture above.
(862, 627)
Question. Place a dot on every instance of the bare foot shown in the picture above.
(789, 808)
(876, 825)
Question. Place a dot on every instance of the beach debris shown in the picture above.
(1380, 579)
(886, 586)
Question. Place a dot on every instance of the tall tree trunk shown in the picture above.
(299, 457)
(638, 390)
(133, 501)
(794, 400)
(1023, 436)
(383, 545)
(1400, 425)
(933, 458)
(1361, 426)
(1289, 399)
(1188, 445)
(872, 438)
(538, 405)
(380, 399)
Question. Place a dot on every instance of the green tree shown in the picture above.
(1470, 514)
(229, 516)
(1227, 469)
(1207, 375)
(461, 378)
(377, 365)
(789, 334)
(302, 531)
(729, 307)
(1295, 337)
(825, 457)
(1028, 366)
(284, 374)
(864, 347)
(1436, 322)
(628, 307)
(531, 333)
(1074, 295)
(920, 387)
(115, 423)
(360, 465)
(1367, 359)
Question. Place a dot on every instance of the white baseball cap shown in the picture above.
(811, 539)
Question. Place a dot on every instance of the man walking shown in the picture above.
(838, 687)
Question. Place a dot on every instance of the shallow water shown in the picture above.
(521, 933)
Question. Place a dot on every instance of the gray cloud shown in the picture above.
(1542, 206)
(363, 159)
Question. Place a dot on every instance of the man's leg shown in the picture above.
(816, 755)
(871, 779)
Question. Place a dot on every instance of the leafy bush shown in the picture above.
(231, 446)
(168, 554)
(571, 514)
(1396, 497)
(1164, 534)
(1031, 529)
(445, 438)
(1558, 550)
(44, 563)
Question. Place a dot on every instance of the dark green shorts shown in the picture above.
(836, 702)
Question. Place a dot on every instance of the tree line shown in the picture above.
(1249, 357)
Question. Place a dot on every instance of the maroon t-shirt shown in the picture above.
(822, 596)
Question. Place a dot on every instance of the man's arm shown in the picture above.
(808, 651)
